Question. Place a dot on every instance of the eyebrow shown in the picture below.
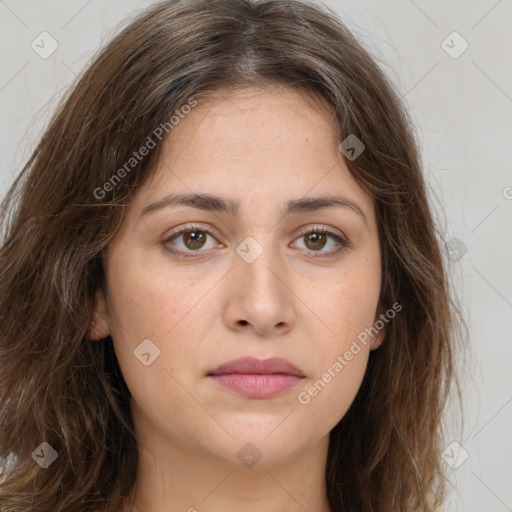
(219, 204)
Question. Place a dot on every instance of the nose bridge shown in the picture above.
(259, 261)
(259, 295)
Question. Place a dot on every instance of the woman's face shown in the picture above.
(244, 271)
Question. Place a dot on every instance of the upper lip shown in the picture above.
(261, 366)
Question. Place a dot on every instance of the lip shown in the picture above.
(254, 365)
(257, 378)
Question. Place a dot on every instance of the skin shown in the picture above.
(297, 300)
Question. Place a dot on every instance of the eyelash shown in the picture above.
(343, 244)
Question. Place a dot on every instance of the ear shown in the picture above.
(378, 339)
(99, 327)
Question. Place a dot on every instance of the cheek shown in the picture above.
(146, 302)
(329, 394)
(347, 307)
(152, 313)
(347, 303)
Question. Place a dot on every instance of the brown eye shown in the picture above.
(189, 240)
(194, 239)
(315, 241)
(323, 241)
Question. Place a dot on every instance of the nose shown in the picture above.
(259, 294)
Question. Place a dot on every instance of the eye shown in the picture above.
(317, 238)
(192, 238)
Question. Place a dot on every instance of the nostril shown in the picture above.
(243, 322)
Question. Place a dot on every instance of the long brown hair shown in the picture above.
(59, 387)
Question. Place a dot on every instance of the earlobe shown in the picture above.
(99, 327)
(378, 340)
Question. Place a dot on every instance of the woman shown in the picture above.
(222, 285)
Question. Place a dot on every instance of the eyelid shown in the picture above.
(324, 229)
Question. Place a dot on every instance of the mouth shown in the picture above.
(257, 378)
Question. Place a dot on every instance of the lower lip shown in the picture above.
(255, 385)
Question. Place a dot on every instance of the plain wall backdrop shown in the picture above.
(452, 63)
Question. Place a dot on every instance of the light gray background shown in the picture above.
(462, 108)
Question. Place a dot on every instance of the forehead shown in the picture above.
(279, 142)
(256, 119)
